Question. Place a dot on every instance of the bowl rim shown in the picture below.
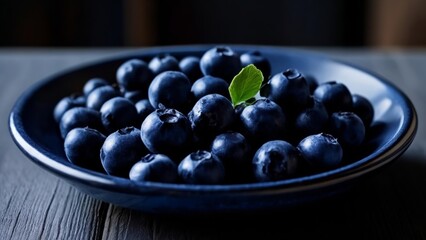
(382, 156)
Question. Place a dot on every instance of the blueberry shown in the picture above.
(119, 112)
(135, 96)
(144, 108)
(321, 151)
(66, 103)
(210, 116)
(171, 89)
(190, 65)
(335, 96)
(201, 167)
(234, 152)
(94, 83)
(257, 59)
(263, 121)
(80, 117)
(363, 108)
(134, 74)
(348, 128)
(82, 146)
(100, 95)
(167, 131)
(208, 85)
(276, 160)
(162, 63)
(222, 62)
(312, 120)
(121, 150)
(289, 90)
(155, 168)
(312, 83)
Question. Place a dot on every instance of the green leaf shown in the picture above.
(245, 85)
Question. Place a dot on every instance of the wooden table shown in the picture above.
(35, 204)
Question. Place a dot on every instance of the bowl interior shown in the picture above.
(38, 134)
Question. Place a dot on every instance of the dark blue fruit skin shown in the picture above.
(335, 96)
(162, 63)
(263, 121)
(154, 168)
(121, 150)
(209, 85)
(92, 84)
(321, 151)
(222, 62)
(312, 120)
(144, 108)
(80, 117)
(171, 89)
(348, 128)
(363, 108)
(190, 65)
(100, 95)
(201, 167)
(135, 96)
(66, 104)
(276, 160)
(210, 116)
(312, 83)
(119, 112)
(257, 59)
(134, 74)
(82, 146)
(234, 152)
(289, 90)
(167, 131)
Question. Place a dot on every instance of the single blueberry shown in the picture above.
(144, 108)
(263, 121)
(121, 150)
(100, 95)
(210, 116)
(167, 131)
(335, 96)
(135, 96)
(312, 83)
(119, 112)
(162, 63)
(66, 103)
(155, 168)
(80, 117)
(234, 152)
(134, 74)
(222, 62)
(92, 84)
(321, 151)
(311, 120)
(190, 65)
(209, 85)
(289, 90)
(201, 167)
(171, 89)
(363, 108)
(82, 146)
(276, 160)
(257, 59)
(348, 128)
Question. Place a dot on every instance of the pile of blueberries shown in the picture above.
(171, 120)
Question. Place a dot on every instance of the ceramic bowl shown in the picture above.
(395, 123)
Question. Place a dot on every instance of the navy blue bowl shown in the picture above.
(33, 129)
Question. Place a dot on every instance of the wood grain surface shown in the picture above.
(35, 204)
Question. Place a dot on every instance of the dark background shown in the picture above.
(108, 23)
